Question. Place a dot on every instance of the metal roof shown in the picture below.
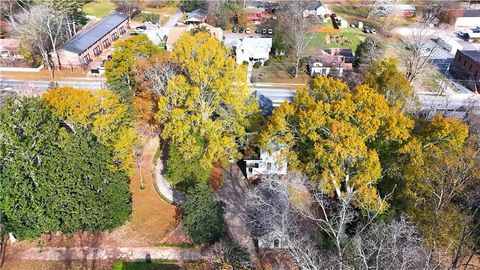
(475, 55)
(85, 39)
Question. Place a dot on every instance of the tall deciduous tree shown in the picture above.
(120, 69)
(54, 179)
(333, 134)
(103, 114)
(385, 77)
(440, 168)
(205, 109)
(295, 28)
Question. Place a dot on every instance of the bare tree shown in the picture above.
(378, 8)
(419, 53)
(298, 214)
(295, 27)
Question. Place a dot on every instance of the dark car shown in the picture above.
(141, 27)
(134, 34)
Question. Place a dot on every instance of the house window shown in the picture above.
(250, 170)
(97, 51)
(122, 30)
(255, 165)
(470, 68)
(106, 43)
(114, 36)
(276, 243)
(464, 62)
(86, 59)
(459, 58)
(269, 166)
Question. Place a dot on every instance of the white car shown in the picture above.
(247, 30)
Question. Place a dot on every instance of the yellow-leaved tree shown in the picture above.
(206, 108)
(101, 112)
(334, 134)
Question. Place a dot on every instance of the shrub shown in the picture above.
(203, 216)
(267, 62)
(257, 64)
(245, 62)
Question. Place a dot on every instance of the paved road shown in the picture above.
(450, 103)
(18, 84)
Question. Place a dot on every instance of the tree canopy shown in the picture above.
(206, 108)
(119, 70)
(203, 216)
(54, 179)
(385, 77)
(103, 114)
(333, 134)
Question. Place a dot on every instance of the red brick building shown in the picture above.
(81, 49)
(466, 67)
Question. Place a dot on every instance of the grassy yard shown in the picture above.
(156, 265)
(99, 8)
(352, 37)
(279, 71)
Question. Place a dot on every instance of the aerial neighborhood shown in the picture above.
(239, 134)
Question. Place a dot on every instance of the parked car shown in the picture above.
(134, 33)
(141, 27)
(241, 29)
(264, 31)
(270, 31)
(373, 31)
(234, 29)
(367, 29)
(257, 31)
(247, 30)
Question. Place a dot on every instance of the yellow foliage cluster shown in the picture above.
(331, 133)
(102, 113)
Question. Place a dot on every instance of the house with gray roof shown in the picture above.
(89, 43)
(197, 16)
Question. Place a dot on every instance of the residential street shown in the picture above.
(43, 85)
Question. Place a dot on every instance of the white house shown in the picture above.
(271, 241)
(468, 18)
(263, 163)
(317, 9)
(252, 49)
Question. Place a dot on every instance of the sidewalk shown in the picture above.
(125, 253)
(44, 75)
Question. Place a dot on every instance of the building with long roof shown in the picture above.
(88, 44)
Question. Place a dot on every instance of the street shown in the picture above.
(43, 85)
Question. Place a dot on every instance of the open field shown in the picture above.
(279, 71)
(99, 8)
(353, 36)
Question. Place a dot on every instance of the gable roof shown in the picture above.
(314, 5)
(197, 15)
(255, 47)
(329, 60)
(85, 39)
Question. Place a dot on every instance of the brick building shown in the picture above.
(466, 67)
(88, 44)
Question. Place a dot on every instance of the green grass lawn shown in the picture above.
(319, 41)
(156, 265)
(99, 8)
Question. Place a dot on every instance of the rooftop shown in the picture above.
(255, 46)
(475, 55)
(471, 13)
(197, 15)
(85, 39)
(314, 5)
